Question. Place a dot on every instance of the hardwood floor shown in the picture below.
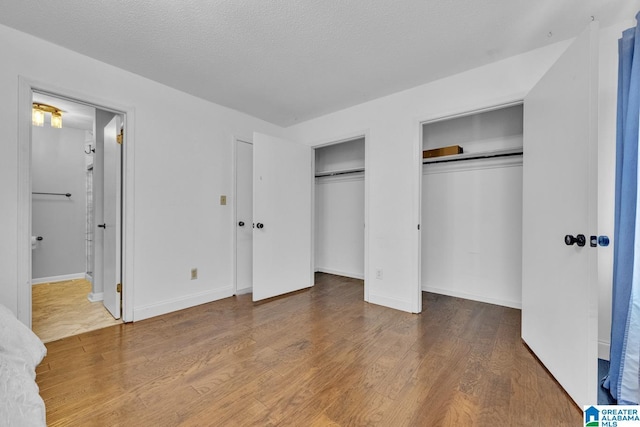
(314, 358)
(61, 309)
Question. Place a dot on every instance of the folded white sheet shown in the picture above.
(20, 352)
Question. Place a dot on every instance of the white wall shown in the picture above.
(58, 166)
(339, 236)
(183, 160)
(476, 133)
(393, 150)
(472, 230)
(339, 157)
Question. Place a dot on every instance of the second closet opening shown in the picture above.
(339, 244)
(472, 206)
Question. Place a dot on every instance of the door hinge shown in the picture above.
(119, 287)
(120, 137)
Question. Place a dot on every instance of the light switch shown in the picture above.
(223, 200)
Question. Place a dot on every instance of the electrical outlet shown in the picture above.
(379, 273)
(223, 200)
(194, 273)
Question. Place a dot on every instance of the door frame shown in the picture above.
(234, 216)
(333, 141)
(480, 107)
(26, 87)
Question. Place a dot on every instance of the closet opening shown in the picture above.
(471, 205)
(340, 207)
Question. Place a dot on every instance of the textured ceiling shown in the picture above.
(289, 61)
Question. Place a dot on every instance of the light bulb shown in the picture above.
(37, 117)
(56, 120)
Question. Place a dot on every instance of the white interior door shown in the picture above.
(282, 180)
(559, 290)
(244, 216)
(111, 226)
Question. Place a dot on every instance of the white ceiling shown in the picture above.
(289, 61)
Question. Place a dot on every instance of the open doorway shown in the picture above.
(71, 190)
(340, 207)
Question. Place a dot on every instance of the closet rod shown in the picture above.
(479, 156)
(336, 173)
(54, 194)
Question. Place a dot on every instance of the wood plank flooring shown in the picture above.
(61, 309)
(321, 357)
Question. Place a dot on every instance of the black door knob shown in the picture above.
(260, 225)
(580, 240)
(102, 225)
(241, 224)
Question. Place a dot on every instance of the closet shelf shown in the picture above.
(339, 172)
(474, 156)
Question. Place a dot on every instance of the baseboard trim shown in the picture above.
(244, 291)
(340, 273)
(390, 302)
(603, 350)
(168, 306)
(473, 297)
(95, 297)
(62, 278)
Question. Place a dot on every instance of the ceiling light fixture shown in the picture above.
(37, 115)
